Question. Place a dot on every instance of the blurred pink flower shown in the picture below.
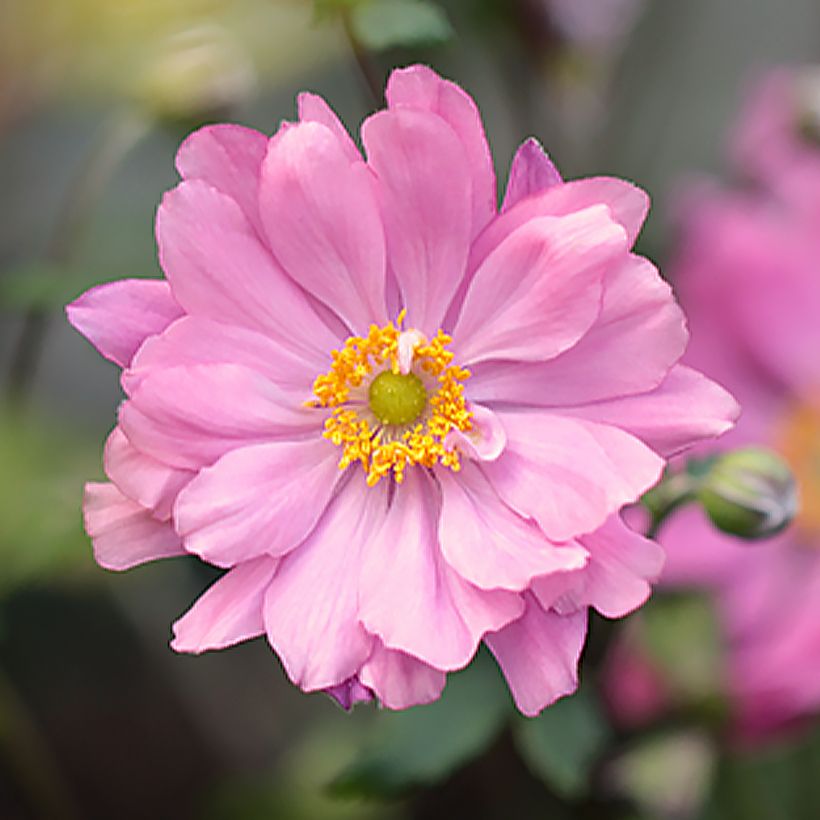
(471, 505)
(747, 274)
(777, 138)
(594, 23)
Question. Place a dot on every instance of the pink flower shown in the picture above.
(777, 137)
(747, 272)
(402, 421)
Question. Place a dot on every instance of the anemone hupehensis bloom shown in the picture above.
(403, 421)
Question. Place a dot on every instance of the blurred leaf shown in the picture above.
(423, 745)
(667, 775)
(294, 788)
(384, 24)
(43, 286)
(42, 472)
(683, 637)
(777, 781)
(562, 743)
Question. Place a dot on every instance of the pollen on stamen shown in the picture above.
(408, 420)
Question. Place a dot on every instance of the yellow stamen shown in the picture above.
(385, 449)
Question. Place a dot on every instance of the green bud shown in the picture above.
(749, 493)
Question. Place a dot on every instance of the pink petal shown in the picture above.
(257, 500)
(229, 158)
(196, 340)
(312, 108)
(119, 316)
(570, 475)
(143, 479)
(229, 611)
(400, 681)
(538, 655)
(540, 291)
(425, 194)
(188, 417)
(487, 543)
(628, 206)
(638, 336)
(311, 608)
(685, 409)
(616, 581)
(348, 693)
(419, 87)
(411, 599)
(531, 173)
(323, 222)
(218, 268)
(486, 439)
(125, 534)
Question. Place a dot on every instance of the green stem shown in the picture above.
(117, 139)
(673, 492)
(367, 68)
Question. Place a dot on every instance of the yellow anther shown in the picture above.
(385, 450)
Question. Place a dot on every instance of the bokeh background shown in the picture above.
(98, 718)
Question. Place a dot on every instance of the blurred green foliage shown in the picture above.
(42, 472)
(562, 744)
(423, 745)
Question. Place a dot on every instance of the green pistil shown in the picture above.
(396, 398)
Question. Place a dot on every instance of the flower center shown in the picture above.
(395, 397)
(799, 443)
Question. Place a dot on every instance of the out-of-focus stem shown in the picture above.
(29, 759)
(367, 68)
(117, 139)
(673, 492)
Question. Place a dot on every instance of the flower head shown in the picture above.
(402, 420)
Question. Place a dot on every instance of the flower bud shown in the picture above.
(750, 493)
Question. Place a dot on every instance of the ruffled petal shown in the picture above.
(143, 479)
(188, 417)
(487, 543)
(638, 336)
(125, 534)
(400, 681)
(425, 193)
(538, 655)
(257, 500)
(229, 611)
(311, 608)
(570, 475)
(218, 268)
(119, 316)
(323, 222)
(627, 204)
(419, 87)
(540, 291)
(617, 580)
(685, 409)
(312, 108)
(196, 340)
(411, 599)
(229, 158)
(531, 173)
